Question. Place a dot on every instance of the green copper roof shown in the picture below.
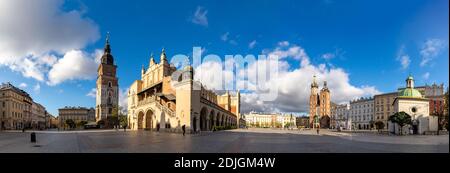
(410, 92)
(410, 78)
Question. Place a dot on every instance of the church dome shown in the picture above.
(410, 92)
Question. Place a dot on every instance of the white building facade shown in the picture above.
(361, 113)
(270, 120)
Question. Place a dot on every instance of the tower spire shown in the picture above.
(107, 46)
(152, 60)
(107, 58)
(314, 83)
(107, 37)
(163, 56)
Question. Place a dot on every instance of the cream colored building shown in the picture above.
(341, 116)
(77, 114)
(361, 113)
(256, 119)
(38, 116)
(166, 98)
(384, 107)
(412, 102)
(15, 108)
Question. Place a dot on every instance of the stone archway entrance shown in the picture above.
(325, 122)
(149, 120)
(203, 121)
(211, 120)
(194, 124)
(140, 120)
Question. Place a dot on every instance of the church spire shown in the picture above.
(107, 58)
(152, 60)
(107, 46)
(314, 83)
(163, 56)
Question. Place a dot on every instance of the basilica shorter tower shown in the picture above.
(107, 86)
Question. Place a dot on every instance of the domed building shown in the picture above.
(411, 101)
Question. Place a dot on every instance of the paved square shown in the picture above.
(233, 141)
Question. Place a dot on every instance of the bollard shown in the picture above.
(33, 137)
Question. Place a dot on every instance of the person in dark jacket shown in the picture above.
(184, 129)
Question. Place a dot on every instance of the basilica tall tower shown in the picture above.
(314, 100)
(107, 100)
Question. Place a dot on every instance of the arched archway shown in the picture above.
(162, 123)
(325, 122)
(211, 120)
(218, 119)
(149, 120)
(194, 123)
(140, 120)
(203, 121)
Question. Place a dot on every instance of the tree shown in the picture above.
(114, 119)
(379, 125)
(446, 110)
(123, 121)
(372, 123)
(81, 123)
(70, 123)
(401, 118)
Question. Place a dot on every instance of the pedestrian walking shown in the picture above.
(318, 130)
(184, 129)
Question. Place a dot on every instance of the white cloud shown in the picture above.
(430, 49)
(426, 76)
(123, 99)
(403, 58)
(92, 93)
(283, 50)
(23, 85)
(328, 56)
(293, 83)
(200, 17)
(252, 44)
(35, 33)
(37, 88)
(224, 37)
(75, 65)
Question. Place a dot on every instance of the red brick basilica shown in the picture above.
(319, 106)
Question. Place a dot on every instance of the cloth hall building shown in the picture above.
(167, 98)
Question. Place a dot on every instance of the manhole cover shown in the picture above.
(37, 146)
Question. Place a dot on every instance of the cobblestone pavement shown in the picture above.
(232, 141)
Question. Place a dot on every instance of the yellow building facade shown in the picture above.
(167, 99)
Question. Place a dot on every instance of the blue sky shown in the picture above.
(368, 40)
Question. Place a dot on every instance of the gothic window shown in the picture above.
(109, 110)
(109, 84)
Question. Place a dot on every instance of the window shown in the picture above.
(3, 103)
(109, 84)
